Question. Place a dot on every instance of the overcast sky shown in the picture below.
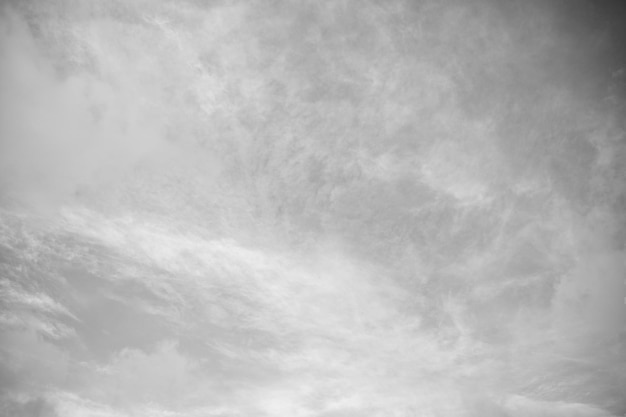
(312, 208)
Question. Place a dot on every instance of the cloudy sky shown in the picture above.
(298, 208)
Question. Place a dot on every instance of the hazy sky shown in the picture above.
(308, 208)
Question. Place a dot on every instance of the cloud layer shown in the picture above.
(302, 208)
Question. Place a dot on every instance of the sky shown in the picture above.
(298, 208)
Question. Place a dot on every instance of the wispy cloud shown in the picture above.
(310, 209)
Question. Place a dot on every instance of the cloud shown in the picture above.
(308, 209)
(589, 303)
(38, 407)
(518, 405)
(62, 134)
(30, 363)
(163, 376)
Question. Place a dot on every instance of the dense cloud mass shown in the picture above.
(312, 208)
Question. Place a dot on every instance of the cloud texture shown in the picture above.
(303, 208)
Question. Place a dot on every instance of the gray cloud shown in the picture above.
(305, 208)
